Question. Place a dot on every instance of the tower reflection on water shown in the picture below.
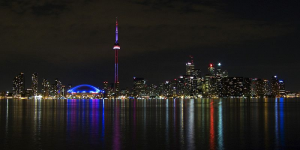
(137, 124)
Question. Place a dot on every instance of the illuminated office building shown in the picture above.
(180, 88)
(106, 89)
(45, 88)
(63, 91)
(153, 91)
(139, 87)
(211, 70)
(190, 66)
(19, 85)
(267, 88)
(254, 87)
(236, 86)
(196, 85)
(274, 86)
(58, 88)
(247, 87)
(219, 77)
(210, 83)
(260, 88)
(34, 85)
(282, 91)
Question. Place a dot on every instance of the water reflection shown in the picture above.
(6, 124)
(116, 128)
(266, 124)
(279, 123)
(150, 124)
(212, 127)
(220, 127)
(190, 125)
(37, 122)
(103, 122)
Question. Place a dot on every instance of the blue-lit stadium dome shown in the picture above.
(85, 88)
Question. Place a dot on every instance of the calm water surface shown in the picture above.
(150, 124)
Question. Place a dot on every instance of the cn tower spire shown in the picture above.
(117, 38)
(117, 46)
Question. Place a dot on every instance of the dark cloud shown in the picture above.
(48, 9)
(39, 7)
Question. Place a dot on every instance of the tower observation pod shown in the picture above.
(116, 48)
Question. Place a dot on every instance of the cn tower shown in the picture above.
(116, 48)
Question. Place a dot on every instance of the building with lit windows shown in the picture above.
(274, 87)
(139, 87)
(260, 88)
(19, 85)
(153, 91)
(57, 88)
(267, 88)
(282, 91)
(45, 88)
(254, 87)
(34, 85)
(189, 67)
(106, 89)
(247, 87)
(211, 70)
(63, 91)
(219, 77)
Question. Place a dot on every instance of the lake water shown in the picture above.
(150, 124)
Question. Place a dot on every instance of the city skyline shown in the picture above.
(215, 83)
(253, 42)
(214, 69)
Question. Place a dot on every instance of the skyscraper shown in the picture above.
(139, 87)
(260, 88)
(19, 85)
(190, 66)
(247, 87)
(219, 77)
(116, 48)
(274, 86)
(106, 89)
(34, 85)
(209, 88)
(219, 70)
(211, 70)
(58, 88)
(46, 88)
(282, 89)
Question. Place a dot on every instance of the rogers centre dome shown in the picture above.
(85, 88)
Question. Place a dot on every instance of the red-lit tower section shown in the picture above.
(116, 48)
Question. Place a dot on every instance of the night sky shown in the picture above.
(73, 40)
